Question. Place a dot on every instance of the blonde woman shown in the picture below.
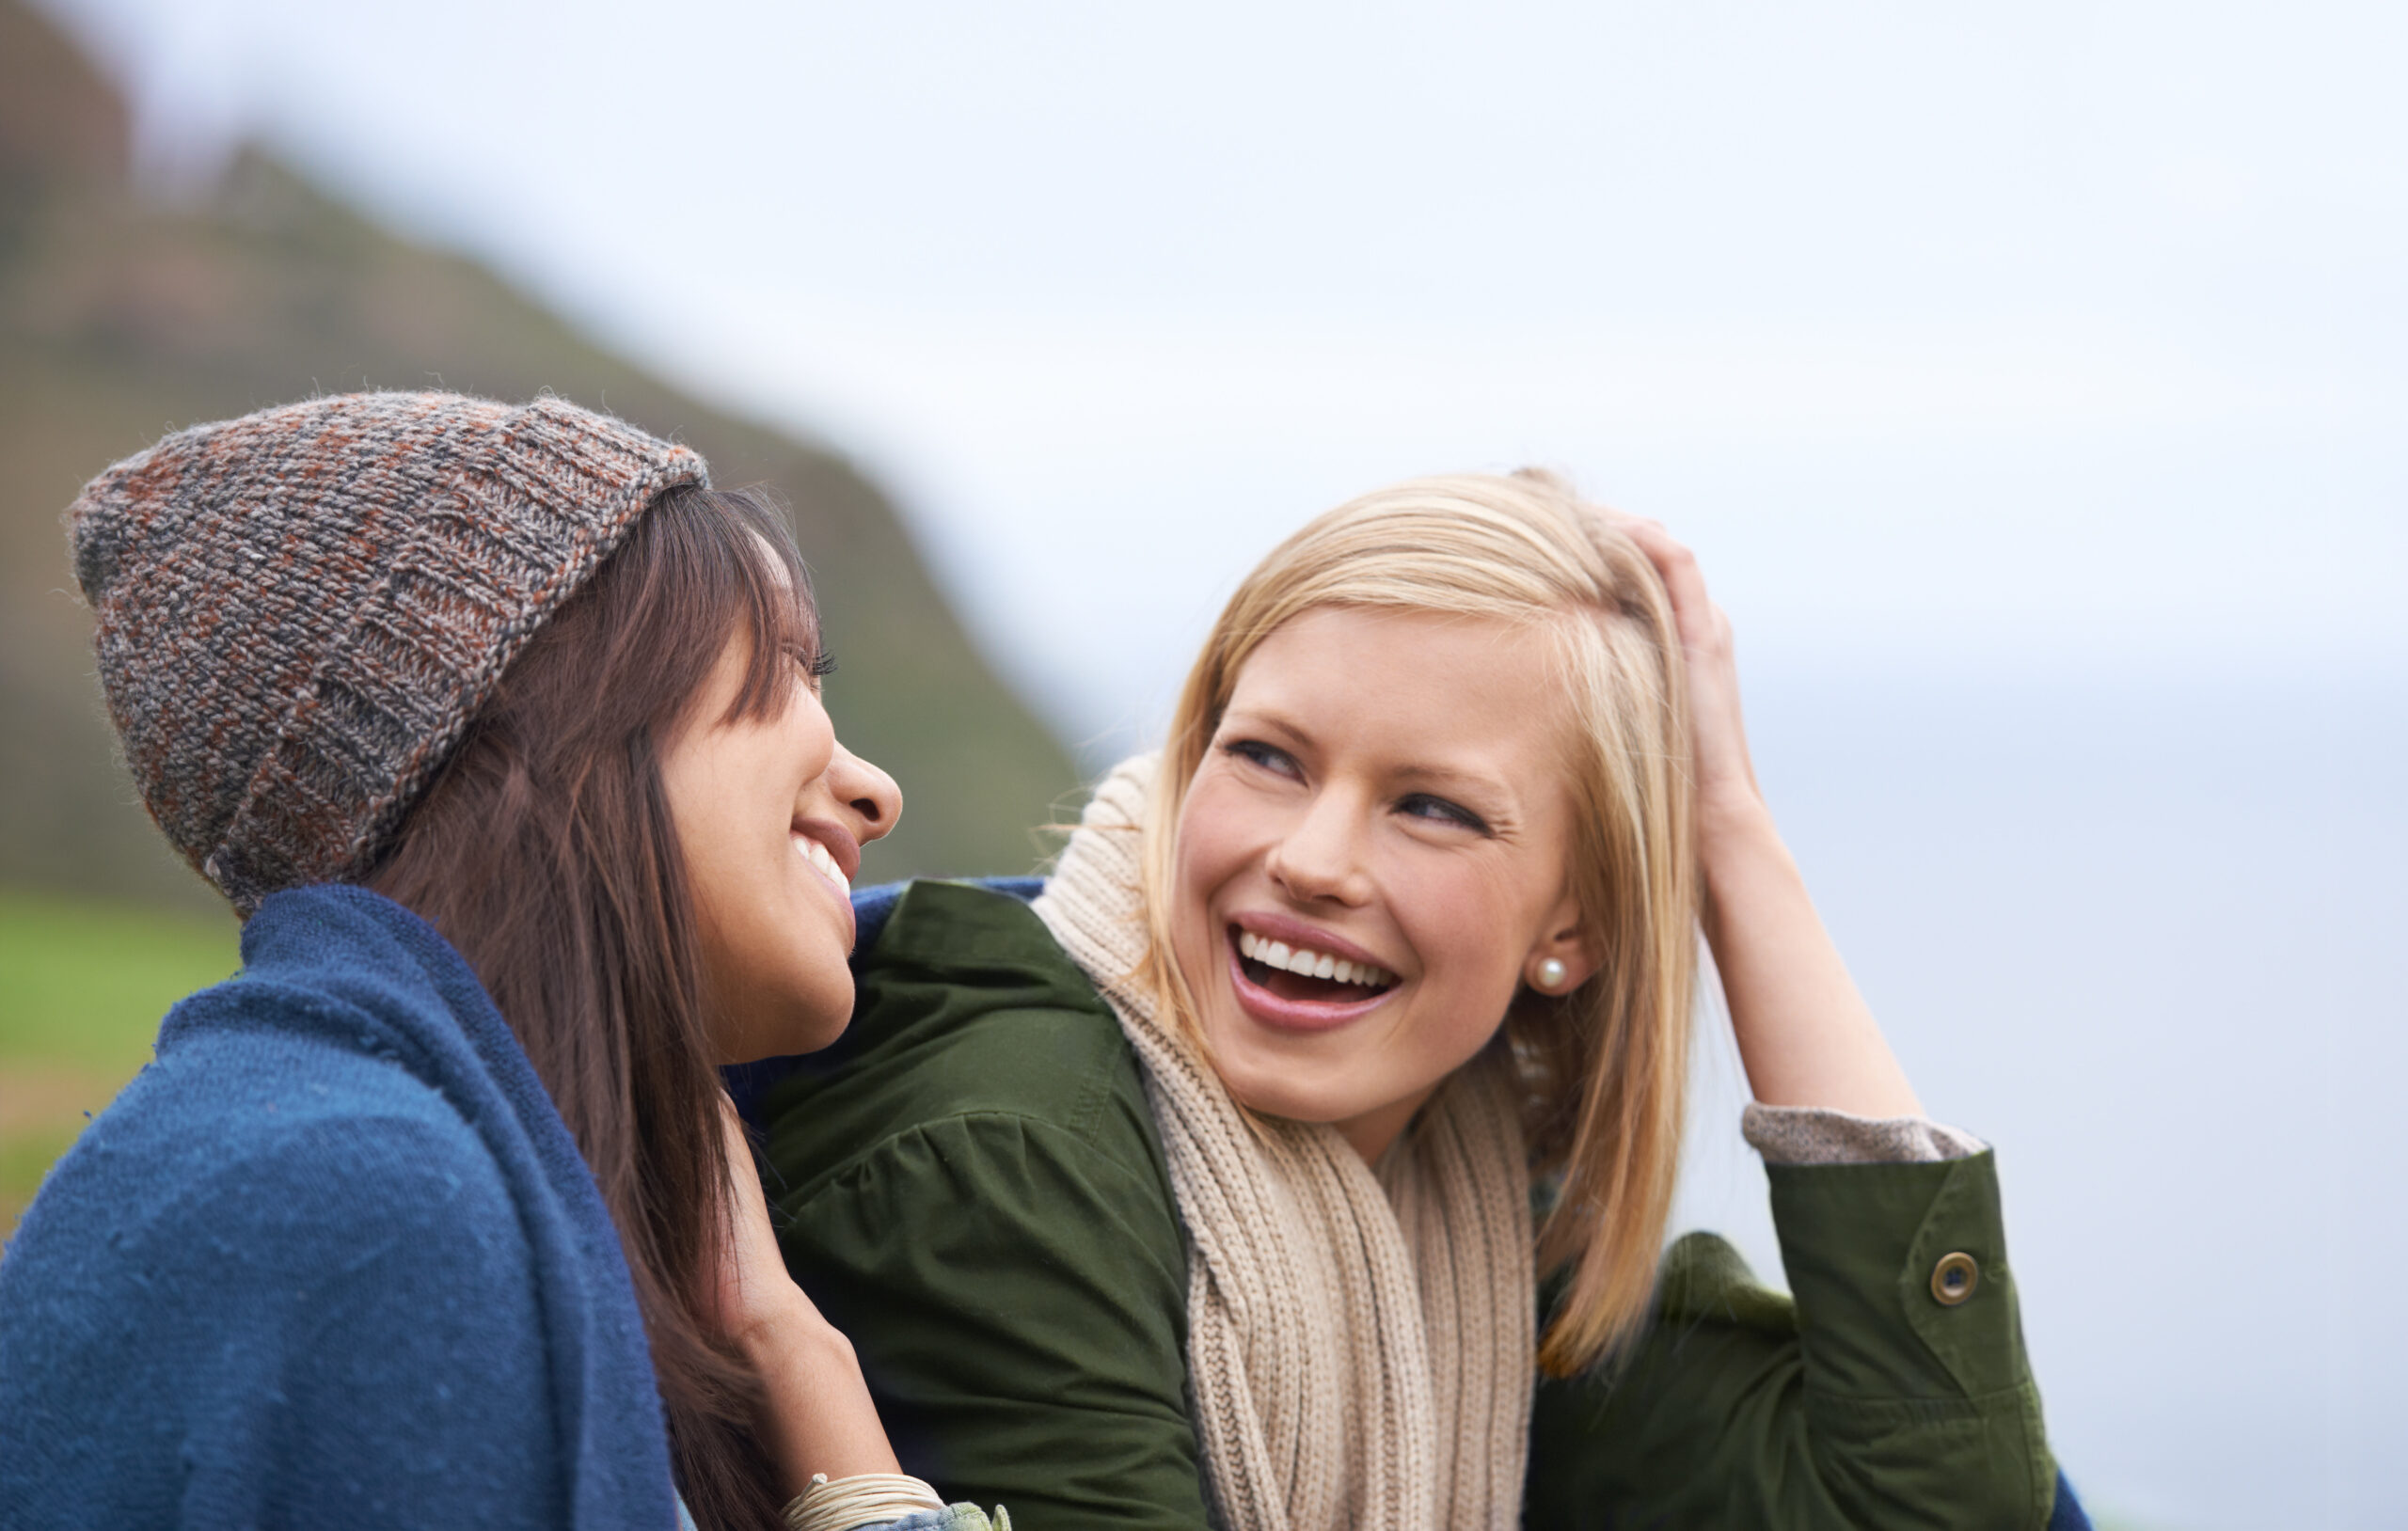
(1300, 1158)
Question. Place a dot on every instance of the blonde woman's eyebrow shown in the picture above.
(1449, 778)
(1255, 720)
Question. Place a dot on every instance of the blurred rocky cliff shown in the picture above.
(121, 320)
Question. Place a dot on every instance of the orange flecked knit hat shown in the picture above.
(299, 611)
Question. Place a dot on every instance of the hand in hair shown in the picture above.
(1806, 1036)
(1726, 778)
(814, 1414)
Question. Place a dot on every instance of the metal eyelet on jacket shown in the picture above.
(1954, 1278)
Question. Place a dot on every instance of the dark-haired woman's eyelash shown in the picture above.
(815, 663)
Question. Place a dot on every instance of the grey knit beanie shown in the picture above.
(299, 611)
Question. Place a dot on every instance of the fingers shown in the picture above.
(1719, 737)
(750, 1291)
(1702, 623)
(746, 1202)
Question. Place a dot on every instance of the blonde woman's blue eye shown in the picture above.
(1439, 810)
(1259, 753)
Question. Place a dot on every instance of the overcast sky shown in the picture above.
(2057, 337)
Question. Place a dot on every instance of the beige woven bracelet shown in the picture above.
(862, 1499)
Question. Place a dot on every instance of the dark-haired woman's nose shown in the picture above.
(868, 793)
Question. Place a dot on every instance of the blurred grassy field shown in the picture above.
(83, 986)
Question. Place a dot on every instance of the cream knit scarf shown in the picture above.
(1361, 1343)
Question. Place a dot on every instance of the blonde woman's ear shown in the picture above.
(1560, 963)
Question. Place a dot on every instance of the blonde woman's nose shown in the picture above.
(1320, 855)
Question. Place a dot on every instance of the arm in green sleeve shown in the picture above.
(1016, 1300)
(1868, 1402)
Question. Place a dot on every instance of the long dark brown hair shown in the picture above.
(545, 852)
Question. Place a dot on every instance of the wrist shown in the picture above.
(815, 1412)
(1736, 822)
(788, 1327)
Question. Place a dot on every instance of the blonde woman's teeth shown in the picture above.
(1311, 964)
(822, 862)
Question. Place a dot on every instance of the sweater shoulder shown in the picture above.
(236, 1122)
(276, 1272)
(967, 1011)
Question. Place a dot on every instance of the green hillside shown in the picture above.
(121, 319)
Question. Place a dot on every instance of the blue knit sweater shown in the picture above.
(332, 1260)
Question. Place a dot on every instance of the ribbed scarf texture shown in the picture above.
(1361, 1343)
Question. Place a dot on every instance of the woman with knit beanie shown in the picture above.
(501, 728)
(1299, 1158)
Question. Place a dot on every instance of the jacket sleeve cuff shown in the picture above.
(1812, 1135)
(1908, 1320)
(1878, 1257)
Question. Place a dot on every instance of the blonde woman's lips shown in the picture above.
(1286, 1013)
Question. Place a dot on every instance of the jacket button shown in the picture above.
(1954, 1278)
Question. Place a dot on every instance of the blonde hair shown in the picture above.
(1603, 1068)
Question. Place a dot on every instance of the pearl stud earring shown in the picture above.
(1552, 972)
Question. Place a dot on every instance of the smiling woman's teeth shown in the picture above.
(816, 853)
(1311, 964)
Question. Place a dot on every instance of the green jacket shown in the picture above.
(972, 1187)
